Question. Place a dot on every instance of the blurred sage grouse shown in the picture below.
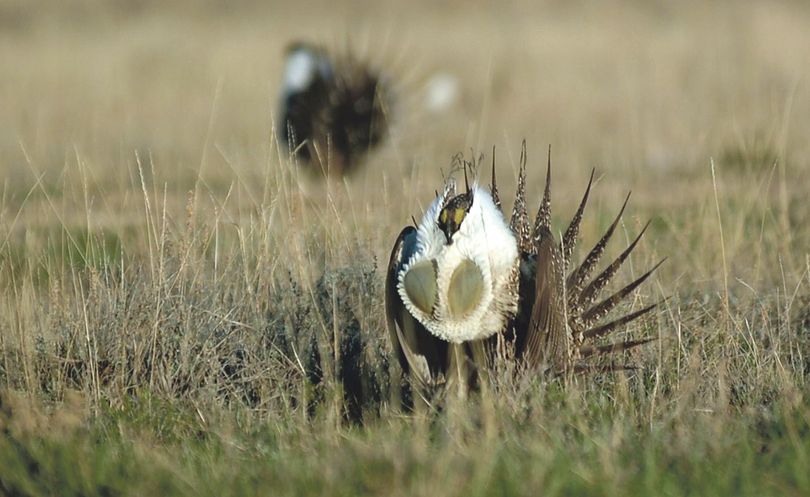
(465, 289)
(332, 109)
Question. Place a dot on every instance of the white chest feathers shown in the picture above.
(302, 67)
(466, 289)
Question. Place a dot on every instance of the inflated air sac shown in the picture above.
(420, 285)
(465, 290)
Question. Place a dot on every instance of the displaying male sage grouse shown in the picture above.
(465, 288)
(332, 109)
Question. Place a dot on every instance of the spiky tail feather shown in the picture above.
(539, 334)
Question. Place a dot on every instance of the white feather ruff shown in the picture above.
(484, 238)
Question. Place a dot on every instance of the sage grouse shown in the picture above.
(332, 109)
(466, 288)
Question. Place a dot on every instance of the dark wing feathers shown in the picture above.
(419, 352)
(394, 308)
(546, 341)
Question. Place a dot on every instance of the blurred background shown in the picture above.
(654, 86)
(647, 92)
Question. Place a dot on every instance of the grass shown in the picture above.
(183, 313)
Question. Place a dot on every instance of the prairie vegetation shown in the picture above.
(183, 313)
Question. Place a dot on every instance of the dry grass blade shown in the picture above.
(493, 187)
(590, 369)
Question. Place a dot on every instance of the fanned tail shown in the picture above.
(564, 309)
(586, 327)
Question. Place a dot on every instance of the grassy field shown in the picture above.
(181, 310)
